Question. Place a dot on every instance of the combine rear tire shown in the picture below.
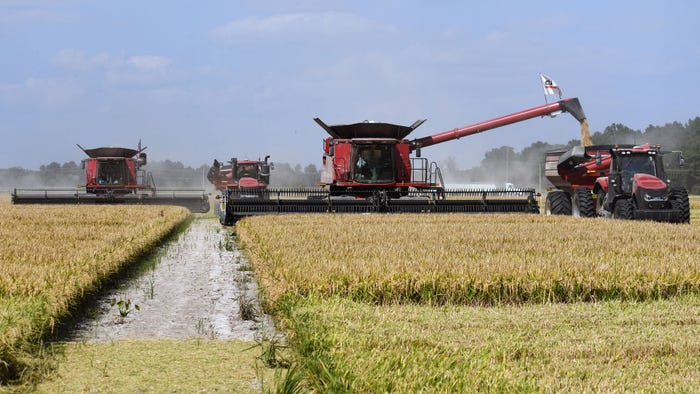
(558, 203)
(624, 209)
(680, 203)
(583, 203)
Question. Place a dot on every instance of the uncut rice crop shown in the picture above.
(51, 256)
(612, 346)
(470, 259)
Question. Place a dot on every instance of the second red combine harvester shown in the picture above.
(249, 174)
(367, 167)
(114, 176)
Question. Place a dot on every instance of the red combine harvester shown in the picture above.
(114, 176)
(620, 181)
(367, 168)
(250, 174)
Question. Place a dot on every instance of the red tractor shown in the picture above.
(114, 176)
(620, 181)
(367, 168)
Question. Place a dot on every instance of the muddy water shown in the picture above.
(194, 287)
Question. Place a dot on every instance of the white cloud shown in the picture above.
(47, 93)
(150, 63)
(115, 69)
(301, 26)
(75, 60)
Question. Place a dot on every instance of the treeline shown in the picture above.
(526, 168)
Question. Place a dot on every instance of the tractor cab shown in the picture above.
(642, 165)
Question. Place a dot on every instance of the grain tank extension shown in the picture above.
(367, 167)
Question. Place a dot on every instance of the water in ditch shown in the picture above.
(198, 285)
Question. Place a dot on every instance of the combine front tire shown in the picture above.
(225, 218)
(583, 203)
(680, 203)
(624, 209)
(558, 203)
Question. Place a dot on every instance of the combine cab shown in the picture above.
(620, 181)
(367, 168)
(114, 176)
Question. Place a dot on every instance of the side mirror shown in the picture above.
(681, 160)
(418, 150)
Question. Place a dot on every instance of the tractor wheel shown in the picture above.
(679, 202)
(558, 203)
(582, 205)
(600, 205)
(624, 209)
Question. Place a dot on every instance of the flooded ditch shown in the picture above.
(197, 285)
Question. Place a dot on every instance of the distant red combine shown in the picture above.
(114, 176)
(240, 173)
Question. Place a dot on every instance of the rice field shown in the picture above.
(614, 346)
(471, 259)
(52, 256)
(466, 303)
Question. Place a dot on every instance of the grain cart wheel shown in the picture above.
(680, 203)
(582, 204)
(558, 203)
(624, 209)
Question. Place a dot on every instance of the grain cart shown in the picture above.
(620, 181)
(114, 176)
(367, 167)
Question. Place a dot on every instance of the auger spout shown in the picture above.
(571, 105)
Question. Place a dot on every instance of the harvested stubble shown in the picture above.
(470, 259)
(50, 256)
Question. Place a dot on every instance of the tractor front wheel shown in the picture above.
(558, 202)
(680, 203)
(583, 203)
(624, 209)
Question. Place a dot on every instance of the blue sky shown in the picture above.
(198, 80)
